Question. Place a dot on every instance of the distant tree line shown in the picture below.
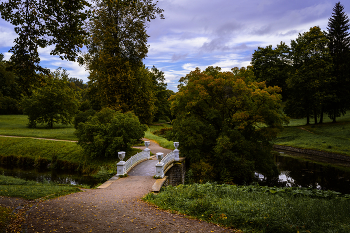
(314, 72)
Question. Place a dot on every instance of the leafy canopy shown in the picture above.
(54, 102)
(108, 132)
(226, 123)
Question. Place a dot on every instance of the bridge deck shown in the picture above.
(146, 168)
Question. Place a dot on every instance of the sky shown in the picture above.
(202, 33)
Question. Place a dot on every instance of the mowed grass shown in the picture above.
(254, 209)
(16, 125)
(330, 137)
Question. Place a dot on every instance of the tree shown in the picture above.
(339, 46)
(162, 95)
(9, 90)
(54, 102)
(40, 24)
(226, 123)
(273, 66)
(117, 46)
(108, 132)
(311, 76)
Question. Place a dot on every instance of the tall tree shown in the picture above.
(117, 46)
(42, 23)
(311, 77)
(226, 121)
(339, 46)
(273, 66)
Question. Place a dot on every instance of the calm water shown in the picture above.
(50, 176)
(301, 170)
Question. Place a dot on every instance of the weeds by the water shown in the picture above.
(259, 209)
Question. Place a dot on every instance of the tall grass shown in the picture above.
(16, 125)
(258, 210)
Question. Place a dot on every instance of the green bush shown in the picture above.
(108, 132)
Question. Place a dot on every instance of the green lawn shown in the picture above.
(331, 137)
(258, 208)
(16, 125)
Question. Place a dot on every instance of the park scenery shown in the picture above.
(263, 148)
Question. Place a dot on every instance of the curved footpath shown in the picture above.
(115, 208)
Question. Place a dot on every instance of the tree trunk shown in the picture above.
(315, 116)
(321, 116)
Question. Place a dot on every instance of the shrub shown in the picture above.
(108, 132)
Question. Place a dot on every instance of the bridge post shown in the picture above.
(176, 151)
(160, 165)
(121, 169)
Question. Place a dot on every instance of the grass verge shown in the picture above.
(258, 208)
(16, 125)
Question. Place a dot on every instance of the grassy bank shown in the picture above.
(24, 152)
(16, 125)
(330, 137)
(258, 209)
(160, 140)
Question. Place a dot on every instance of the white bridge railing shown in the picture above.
(124, 167)
(167, 162)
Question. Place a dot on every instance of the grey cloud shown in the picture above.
(214, 45)
(263, 30)
(177, 57)
(289, 33)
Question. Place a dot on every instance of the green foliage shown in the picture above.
(54, 102)
(339, 46)
(272, 66)
(83, 117)
(40, 24)
(227, 120)
(117, 45)
(30, 190)
(9, 90)
(162, 95)
(108, 132)
(259, 209)
(311, 75)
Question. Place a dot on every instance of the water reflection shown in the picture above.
(299, 170)
(50, 176)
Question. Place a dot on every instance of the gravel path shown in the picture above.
(117, 208)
